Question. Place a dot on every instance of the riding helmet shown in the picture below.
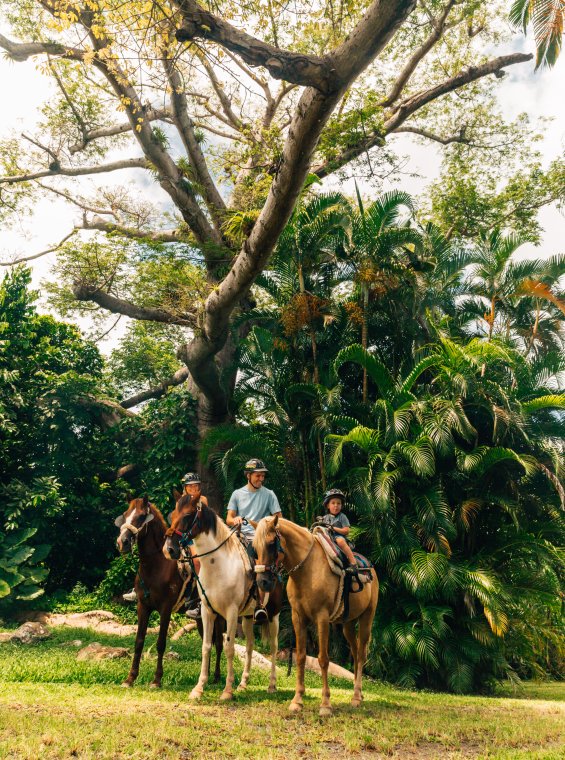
(191, 477)
(255, 465)
(333, 493)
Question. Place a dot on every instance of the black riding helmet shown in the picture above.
(190, 478)
(333, 493)
(255, 465)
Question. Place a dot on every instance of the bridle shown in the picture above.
(186, 536)
(120, 522)
(275, 568)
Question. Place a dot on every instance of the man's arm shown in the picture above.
(233, 519)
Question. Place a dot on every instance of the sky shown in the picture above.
(540, 94)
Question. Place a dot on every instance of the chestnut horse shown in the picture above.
(313, 591)
(225, 584)
(158, 582)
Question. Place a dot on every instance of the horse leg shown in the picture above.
(161, 644)
(219, 642)
(274, 642)
(324, 661)
(229, 649)
(207, 630)
(364, 638)
(143, 614)
(352, 639)
(299, 626)
(247, 625)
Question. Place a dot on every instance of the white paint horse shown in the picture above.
(225, 585)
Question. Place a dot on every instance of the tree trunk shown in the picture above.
(365, 336)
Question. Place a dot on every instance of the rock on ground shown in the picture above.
(100, 620)
(27, 633)
(96, 651)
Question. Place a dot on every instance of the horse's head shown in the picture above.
(132, 521)
(189, 519)
(267, 544)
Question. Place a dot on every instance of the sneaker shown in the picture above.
(260, 615)
(195, 613)
(130, 596)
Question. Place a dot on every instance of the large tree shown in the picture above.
(228, 123)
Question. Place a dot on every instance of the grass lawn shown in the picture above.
(52, 706)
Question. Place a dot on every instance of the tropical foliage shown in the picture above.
(428, 393)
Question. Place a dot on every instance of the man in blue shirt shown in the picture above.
(252, 503)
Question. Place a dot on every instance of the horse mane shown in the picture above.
(260, 538)
(158, 516)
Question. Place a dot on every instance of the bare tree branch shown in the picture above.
(438, 25)
(38, 255)
(116, 129)
(78, 171)
(413, 103)
(185, 126)
(308, 70)
(121, 306)
(21, 51)
(458, 137)
(410, 105)
(164, 236)
(157, 391)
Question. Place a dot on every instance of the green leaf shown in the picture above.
(27, 593)
(5, 589)
(19, 536)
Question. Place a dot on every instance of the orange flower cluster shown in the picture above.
(302, 310)
(354, 312)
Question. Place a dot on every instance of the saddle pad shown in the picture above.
(322, 535)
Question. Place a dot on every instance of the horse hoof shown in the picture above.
(242, 687)
(271, 689)
(295, 707)
(154, 685)
(126, 685)
(355, 702)
(195, 694)
(325, 712)
(226, 696)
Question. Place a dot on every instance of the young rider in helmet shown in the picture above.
(252, 503)
(192, 486)
(337, 522)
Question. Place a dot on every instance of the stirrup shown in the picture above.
(260, 615)
(130, 596)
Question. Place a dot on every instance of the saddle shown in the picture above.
(338, 563)
(338, 560)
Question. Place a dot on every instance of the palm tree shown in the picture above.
(380, 237)
(548, 20)
(454, 476)
(500, 283)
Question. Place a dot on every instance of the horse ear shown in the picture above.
(119, 521)
(176, 494)
(129, 497)
(276, 519)
(170, 518)
(145, 501)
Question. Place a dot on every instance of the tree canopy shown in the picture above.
(221, 127)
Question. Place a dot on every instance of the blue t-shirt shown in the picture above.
(253, 505)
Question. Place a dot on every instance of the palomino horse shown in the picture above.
(158, 582)
(312, 590)
(225, 585)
